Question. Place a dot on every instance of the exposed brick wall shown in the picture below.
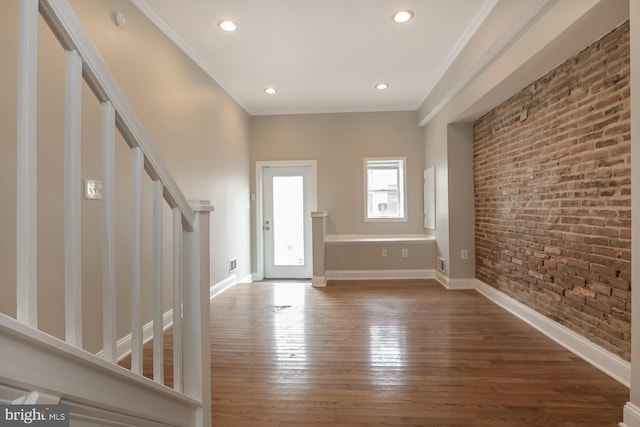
(553, 194)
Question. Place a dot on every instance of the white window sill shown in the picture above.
(385, 220)
(376, 238)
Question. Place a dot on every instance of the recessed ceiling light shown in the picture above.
(402, 16)
(227, 25)
(382, 86)
(270, 90)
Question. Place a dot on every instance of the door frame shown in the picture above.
(260, 166)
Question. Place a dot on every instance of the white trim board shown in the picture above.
(631, 416)
(318, 281)
(81, 414)
(454, 284)
(378, 274)
(56, 361)
(607, 362)
(260, 166)
(377, 238)
(123, 346)
(222, 286)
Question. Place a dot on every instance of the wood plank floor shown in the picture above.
(392, 353)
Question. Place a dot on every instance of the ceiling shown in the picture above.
(321, 56)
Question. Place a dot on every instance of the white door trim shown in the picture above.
(271, 269)
(260, 165)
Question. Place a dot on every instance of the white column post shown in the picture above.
(26, 203)
(197, 353)
(632, 408)
(319, 233)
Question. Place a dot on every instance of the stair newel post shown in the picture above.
(319, 230)
(196, 319)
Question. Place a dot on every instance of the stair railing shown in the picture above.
(190, 228)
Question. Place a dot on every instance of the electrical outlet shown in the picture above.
(524, 114)
(464, 254)
(384, 252)
(405, 253)
(233, 265)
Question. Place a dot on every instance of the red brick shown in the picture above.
(553, 194)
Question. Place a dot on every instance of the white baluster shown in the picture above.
(73, 199)
(136, 261)
(177, 299)
(27, 210)
(197, 353)
(158, 357)
(109, 315)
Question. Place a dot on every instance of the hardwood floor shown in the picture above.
(393, 353)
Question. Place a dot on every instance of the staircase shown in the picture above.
(36, 363)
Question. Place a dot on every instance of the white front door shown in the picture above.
(286, 224)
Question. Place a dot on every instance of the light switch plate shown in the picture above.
(92, 189)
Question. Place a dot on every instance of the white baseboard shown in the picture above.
(378, 274)
(223, 285)
(455, 283)
(123, 346)
(631, 416)
(609, 363)
(246, 279)
(318, 281)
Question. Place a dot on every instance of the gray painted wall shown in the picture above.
(200, 132)
(368, 256)
(461, 202)
(340, 142)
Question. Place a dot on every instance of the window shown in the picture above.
(385, 189)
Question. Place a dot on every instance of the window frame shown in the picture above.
(402, 189)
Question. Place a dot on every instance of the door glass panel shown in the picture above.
(288, 220)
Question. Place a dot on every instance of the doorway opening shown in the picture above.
(286, 196)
